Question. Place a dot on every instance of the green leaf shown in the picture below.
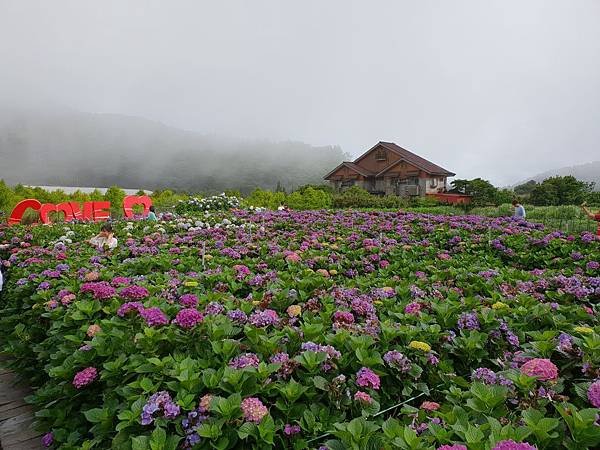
(246, 429)
(140, 443)
(266, 429)
(320, 383)
(172, 442)
(95, 415)
(146, 385)
(158, 439)
(410, 436)
(473, 435)
(392, 428)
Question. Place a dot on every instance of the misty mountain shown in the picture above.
(68, 148)
(589, 172)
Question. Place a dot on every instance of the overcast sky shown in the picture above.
(498, 89)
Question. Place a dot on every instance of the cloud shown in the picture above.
(498, 89)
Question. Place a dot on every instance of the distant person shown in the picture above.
(519, 210)
(151, 215)
(105, 239)
(592, 216)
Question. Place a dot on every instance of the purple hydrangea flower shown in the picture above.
(593, 394)
(47, 439)
(485, 375)
(397, 360)
(245, 360)
(188, 318)
(128, 307)
(159, 404)
(213, 309)
(468, 321)
(189, 300)
(134, 292)
(264, 318)
(154, 317)
(237, 316)
(290, 430)
(365, 377)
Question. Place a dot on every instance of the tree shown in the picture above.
(8, 199)
(96, 195)
(504, 196)
(115, 196)
(482, 191)
(526, 188)
(558, 190)
(319, 187)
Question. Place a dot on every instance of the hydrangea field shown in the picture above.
(307, 330)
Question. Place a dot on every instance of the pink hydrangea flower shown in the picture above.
(343, 317)
(593, 394)
(430, 406)
(363, 397)
(205, 402)
(453, 447)
(67, 299)
(154, 317)
(542, 369)
(365, 377)
(85, 377)
(292, 257)
(188, 318)
(93, 330)
(413, 308)
(512, 445)
(253, 409)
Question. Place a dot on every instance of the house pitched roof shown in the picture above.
(409, 157)
(358, 169)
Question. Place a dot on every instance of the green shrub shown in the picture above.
(310, 198)
(265, 199)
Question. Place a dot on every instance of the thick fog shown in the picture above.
(498, 89)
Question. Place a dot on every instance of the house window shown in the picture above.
(347, 183)
(380, 155)
(434, 182)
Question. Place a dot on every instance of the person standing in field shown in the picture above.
(151, 215)
(105, 239)
(519, 209)
(591, 215)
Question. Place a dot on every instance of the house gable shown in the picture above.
(401, 168)
(376, 158)
(348, 170)
(371, 159)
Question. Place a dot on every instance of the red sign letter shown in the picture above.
(17, 213)
(131, 200)
(101, 211)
